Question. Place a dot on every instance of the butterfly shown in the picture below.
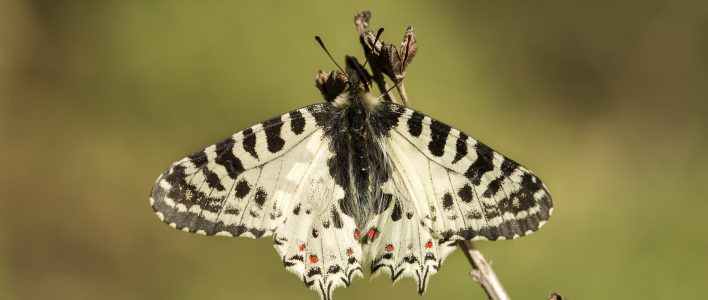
(350, 181)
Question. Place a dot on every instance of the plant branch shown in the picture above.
(402, 91)
(483, 273)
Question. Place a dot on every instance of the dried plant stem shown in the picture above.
(483, 273)
(402, 91)
(383, 85)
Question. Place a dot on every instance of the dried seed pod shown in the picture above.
(330, 85)
(386, 57)
(409, 48)
(389, 61)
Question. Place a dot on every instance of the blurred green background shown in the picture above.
(606, 100)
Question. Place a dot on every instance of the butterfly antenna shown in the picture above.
(319, 40)
(395, 85)
(378, 34)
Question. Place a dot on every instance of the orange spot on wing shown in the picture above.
(429, 245)
(302, 247)
(314, 259)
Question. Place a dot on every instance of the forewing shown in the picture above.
(239, 186)
(464, 189)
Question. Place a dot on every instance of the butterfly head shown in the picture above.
(359, 80)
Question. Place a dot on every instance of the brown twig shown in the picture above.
(483, 273)
(402, 91)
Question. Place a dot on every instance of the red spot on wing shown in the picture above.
(302, 247)
(429, 245)
(314, 259)
(356, 234)
(389, 247)
(350, 252)
(372, 233)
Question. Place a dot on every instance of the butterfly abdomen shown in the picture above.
(359, 163)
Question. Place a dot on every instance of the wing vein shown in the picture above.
(253, 194)
(457, 199)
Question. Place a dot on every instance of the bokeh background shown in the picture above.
(605, 100)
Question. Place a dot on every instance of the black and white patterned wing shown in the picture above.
(230, 188)
(446, 186)
(270, 179)
(318, 242)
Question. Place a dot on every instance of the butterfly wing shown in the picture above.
(447, 187)
(269, 179)
(229, 188)
(317, 241)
